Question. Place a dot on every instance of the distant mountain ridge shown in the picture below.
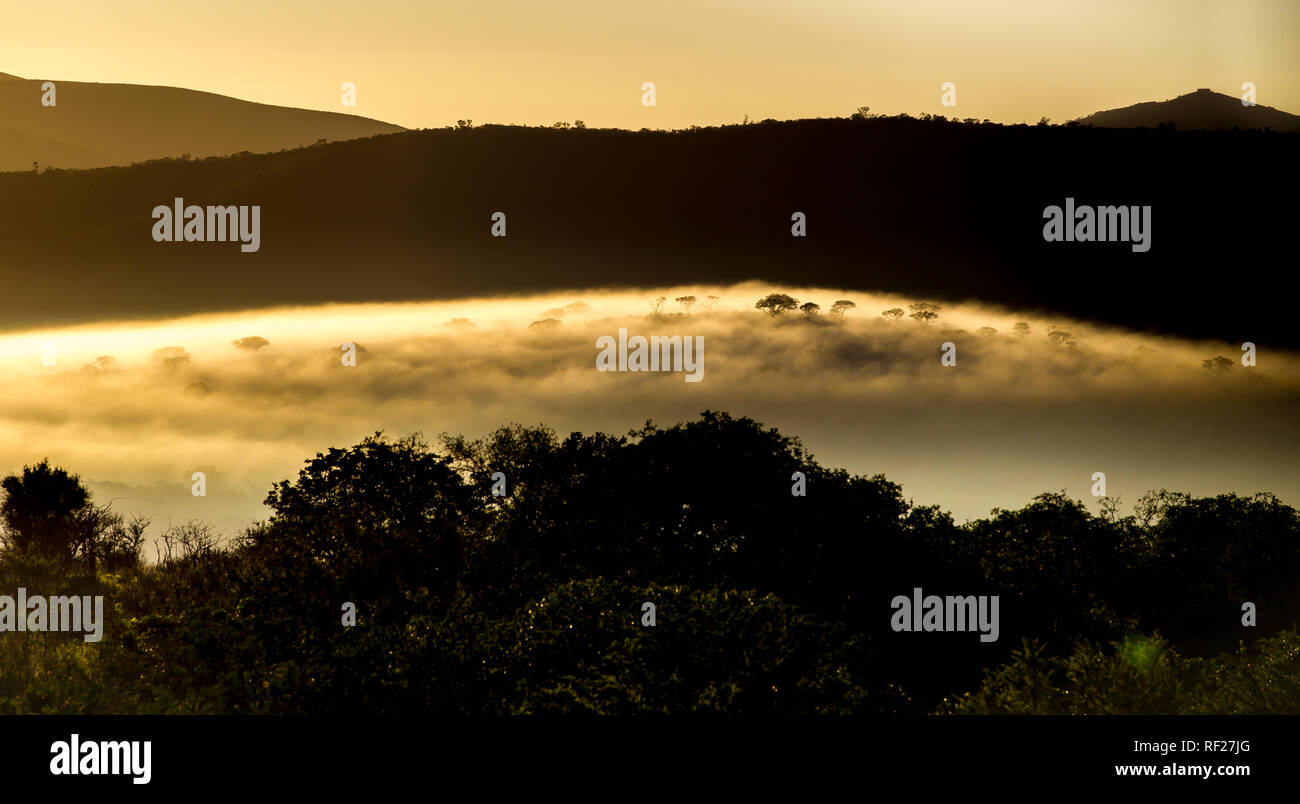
(98, 125)
(1203, 109)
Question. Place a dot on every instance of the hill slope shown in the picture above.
(95, 125)
(1200, 110)
(927, 208)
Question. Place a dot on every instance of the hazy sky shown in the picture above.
(424, 64)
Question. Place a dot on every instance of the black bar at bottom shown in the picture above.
(620, 756)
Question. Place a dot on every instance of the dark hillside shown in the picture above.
(928, 208)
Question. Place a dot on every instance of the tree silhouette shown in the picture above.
(686, 301)
(810, 309)
(191, 538)
(377, 519)
(40, 509)
(841, 307)
(105, 538)
(1062, 337)
(893, 313)
(776, 303)
(251, 343)
(924, 312)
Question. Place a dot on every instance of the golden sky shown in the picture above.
(424, 64)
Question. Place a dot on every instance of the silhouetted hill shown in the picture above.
(94, 125)
(934, 209)
(16, 146)
(1200, 110)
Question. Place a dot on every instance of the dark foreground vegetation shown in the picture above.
(531, 602)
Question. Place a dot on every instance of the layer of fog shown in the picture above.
(137, 408)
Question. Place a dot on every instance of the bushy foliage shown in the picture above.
(529, 602)
(1142, 675)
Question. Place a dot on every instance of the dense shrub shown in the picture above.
(531, 602)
